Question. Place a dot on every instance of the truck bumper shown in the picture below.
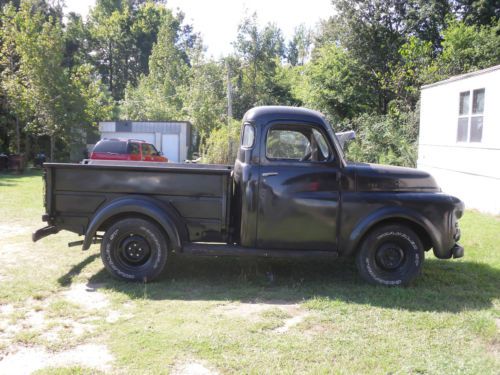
(44, 232)
(457, 251)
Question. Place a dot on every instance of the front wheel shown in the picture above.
(390, 255)
(134, 249)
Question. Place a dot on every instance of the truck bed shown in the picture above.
(200, 193)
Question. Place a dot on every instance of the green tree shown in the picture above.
(260, 52)
(373, 32)
(412, 71)
(76, 40)
(204, 96)
(111, 47)
(44, 94)
(40, 45)
(92, 102)
(385, 139)
(122, 35)
(12, 85)
(158, 94)
(335, 83)
(466, 48)
(478, 12)
(299, 47)
(222, 144)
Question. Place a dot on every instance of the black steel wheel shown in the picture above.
(134, 249)
(390, 255)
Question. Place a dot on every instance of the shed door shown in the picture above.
(170, 147)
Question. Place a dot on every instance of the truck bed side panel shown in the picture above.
(200, 195)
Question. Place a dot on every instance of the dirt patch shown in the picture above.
(87, 296)
(10, 230)
(77, 329)
(34, 319)
(315, 329)
(254, 311)
(192, 368)
(12, 255)
(114, 316)
(248, 311)
(494, 348)
(6, 309)
(293, 321)
(11, 325)
(28, 360)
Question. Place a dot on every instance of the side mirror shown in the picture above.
(344, 137)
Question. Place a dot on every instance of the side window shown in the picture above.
(146, 151)
(134, 149)
(297, 144)
(154, 151)
(248, 136)
(112, 147)
(286, 144)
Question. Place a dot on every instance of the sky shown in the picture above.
(217, 20)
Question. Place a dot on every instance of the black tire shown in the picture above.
(134, 249)
(390, 255)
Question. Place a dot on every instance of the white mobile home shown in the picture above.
(459, 141)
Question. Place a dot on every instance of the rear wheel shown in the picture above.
(390, 255)
(134, 249)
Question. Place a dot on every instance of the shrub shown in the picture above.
(222, 144)
(385, 139)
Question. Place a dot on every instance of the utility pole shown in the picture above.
(229, 110)
(229, 93)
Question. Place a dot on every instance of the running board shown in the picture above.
(216, 250)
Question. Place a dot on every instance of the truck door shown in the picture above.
(298, 189)
(146, 152)
(134, 151)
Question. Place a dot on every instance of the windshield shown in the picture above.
(338, 146)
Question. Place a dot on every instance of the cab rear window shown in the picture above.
(111, 147)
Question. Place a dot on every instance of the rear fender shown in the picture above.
(163, 214)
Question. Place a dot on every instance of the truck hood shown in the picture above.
(376, 177)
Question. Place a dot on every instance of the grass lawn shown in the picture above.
(60, 312)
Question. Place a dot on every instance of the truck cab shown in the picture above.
(287, 180)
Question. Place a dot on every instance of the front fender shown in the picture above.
(390, 213)
(160, 212)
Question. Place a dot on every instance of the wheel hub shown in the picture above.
(390, 256)
(135, 250)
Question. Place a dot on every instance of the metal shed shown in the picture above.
(173, 138)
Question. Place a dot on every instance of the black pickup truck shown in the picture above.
(291, 193)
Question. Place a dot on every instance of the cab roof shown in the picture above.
(264, 114)
(122, 140)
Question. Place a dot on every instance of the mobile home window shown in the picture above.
(470, 116)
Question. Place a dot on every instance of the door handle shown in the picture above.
(268, 174)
